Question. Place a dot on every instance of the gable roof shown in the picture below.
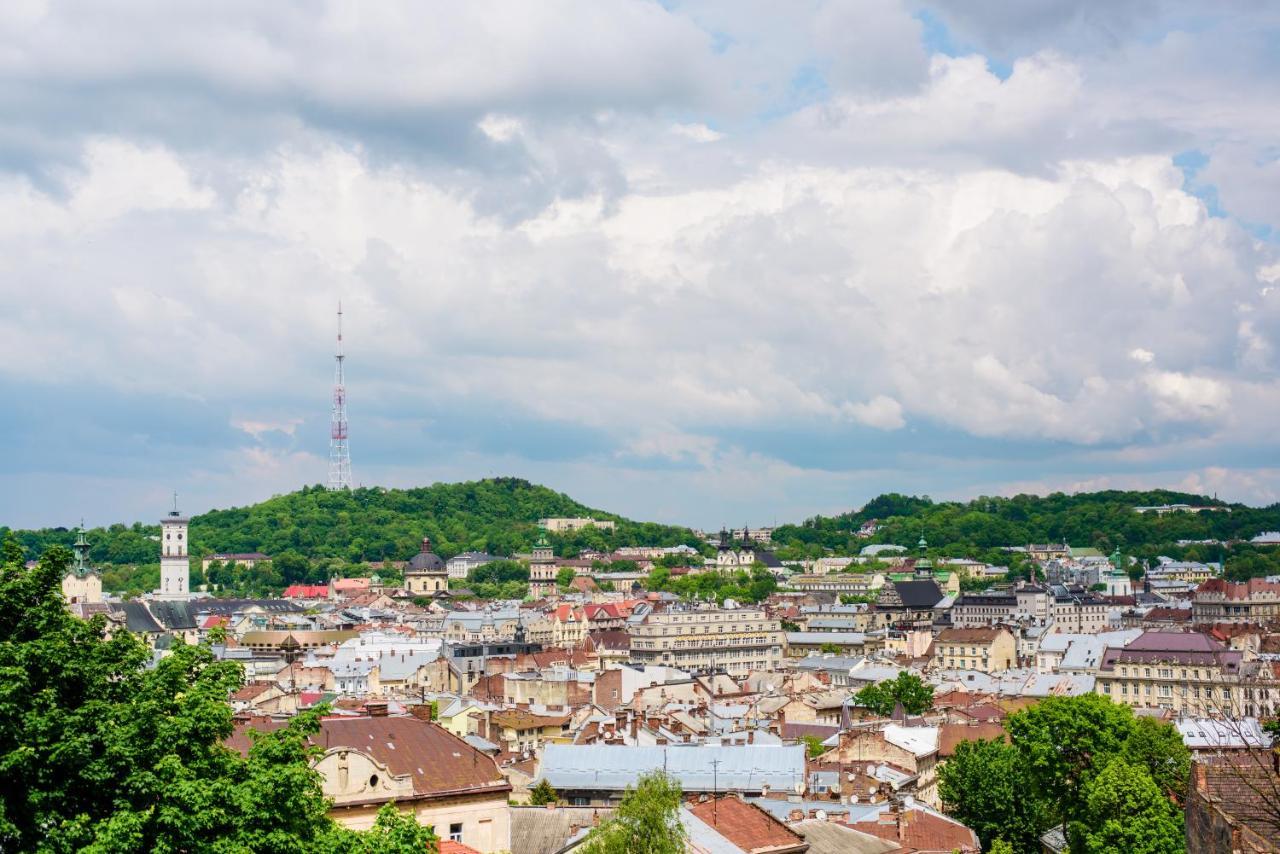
(747, 826)
(918, 594)
(437, 761)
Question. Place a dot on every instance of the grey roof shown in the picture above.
(222, 607)
(536, 830)
(136, 616)
(828, 837)
(613, 768)
(838, 638)
(174, 615)
(919, 594)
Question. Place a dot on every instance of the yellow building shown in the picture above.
(989, 650)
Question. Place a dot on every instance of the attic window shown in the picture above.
(373, 781)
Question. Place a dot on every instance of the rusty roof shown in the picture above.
(746, 825)
(435, 759)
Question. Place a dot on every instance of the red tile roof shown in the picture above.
(448, 846)
(950, 735)
(747, 826)
(918, 830)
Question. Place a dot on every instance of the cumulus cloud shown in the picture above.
(639, 241)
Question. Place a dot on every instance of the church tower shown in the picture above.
(175, 566)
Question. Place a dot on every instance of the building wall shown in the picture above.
(738, 641)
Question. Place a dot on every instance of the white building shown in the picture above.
(175, 565)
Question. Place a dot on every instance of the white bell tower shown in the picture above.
(175, 568)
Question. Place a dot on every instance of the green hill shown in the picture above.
(497, 515)
(1104, 520)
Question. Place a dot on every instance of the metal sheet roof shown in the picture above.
(613, 767)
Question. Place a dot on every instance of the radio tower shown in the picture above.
(339, 453)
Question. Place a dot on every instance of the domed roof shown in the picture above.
(426, 560)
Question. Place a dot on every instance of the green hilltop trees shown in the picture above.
(102, 751)
(1115, 781)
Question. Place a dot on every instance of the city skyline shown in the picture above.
(698, 263)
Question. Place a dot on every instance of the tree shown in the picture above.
(832, 648)
(1159, 748)
(543, 794)
(101, 753)
(984, 786)
(1125, 811)
(647, 821)
(999, 846)
(1062, 740)
(908, 689)
(393, 832)
(564, 577)
(813, 745)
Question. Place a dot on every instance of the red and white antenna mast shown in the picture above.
(339, 453)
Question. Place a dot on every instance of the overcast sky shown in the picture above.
(708, 262)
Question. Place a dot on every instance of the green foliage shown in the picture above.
(1082, 761)
(983, 785)
(739, 585)
(999, 846)
(564, 577)
(1159, 748)
(1125, 811)
(101, 753)
(813, 746)
(499, 572)
(345, 528)
(647, 821)
(830, 647)
(543, 794)
(393, 832)
(915, 695)
(979, 527)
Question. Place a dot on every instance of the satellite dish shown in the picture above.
(820, 815)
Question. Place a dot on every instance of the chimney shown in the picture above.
(751, 736)
(422, 712)
(376, 709)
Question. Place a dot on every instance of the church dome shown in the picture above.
(426, 560)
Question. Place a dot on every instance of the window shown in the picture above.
(455, 832)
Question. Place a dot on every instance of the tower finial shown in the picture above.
(174, 512)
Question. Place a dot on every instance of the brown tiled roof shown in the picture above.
(950, 735)
(747, 826)
(1246, 788)
(435, 759)
(1168, 615)
(917, 830)
(524, 719)
(985, 634)
(251, 691)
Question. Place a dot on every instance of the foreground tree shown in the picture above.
(1126, 811)
(1051, 773)
(984, 786)
(908, 689)
(100, 752)
(647, 821)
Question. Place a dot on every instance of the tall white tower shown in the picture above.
(339, 453)
(175, 566)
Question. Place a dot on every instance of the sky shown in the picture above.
(708, 262)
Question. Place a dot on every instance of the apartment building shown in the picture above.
(1221, 601)
(737, 640)
(972, 610)
(567, 525)
(1186, 672)
(988, 649)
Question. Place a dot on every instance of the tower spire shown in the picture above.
(339, 453)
